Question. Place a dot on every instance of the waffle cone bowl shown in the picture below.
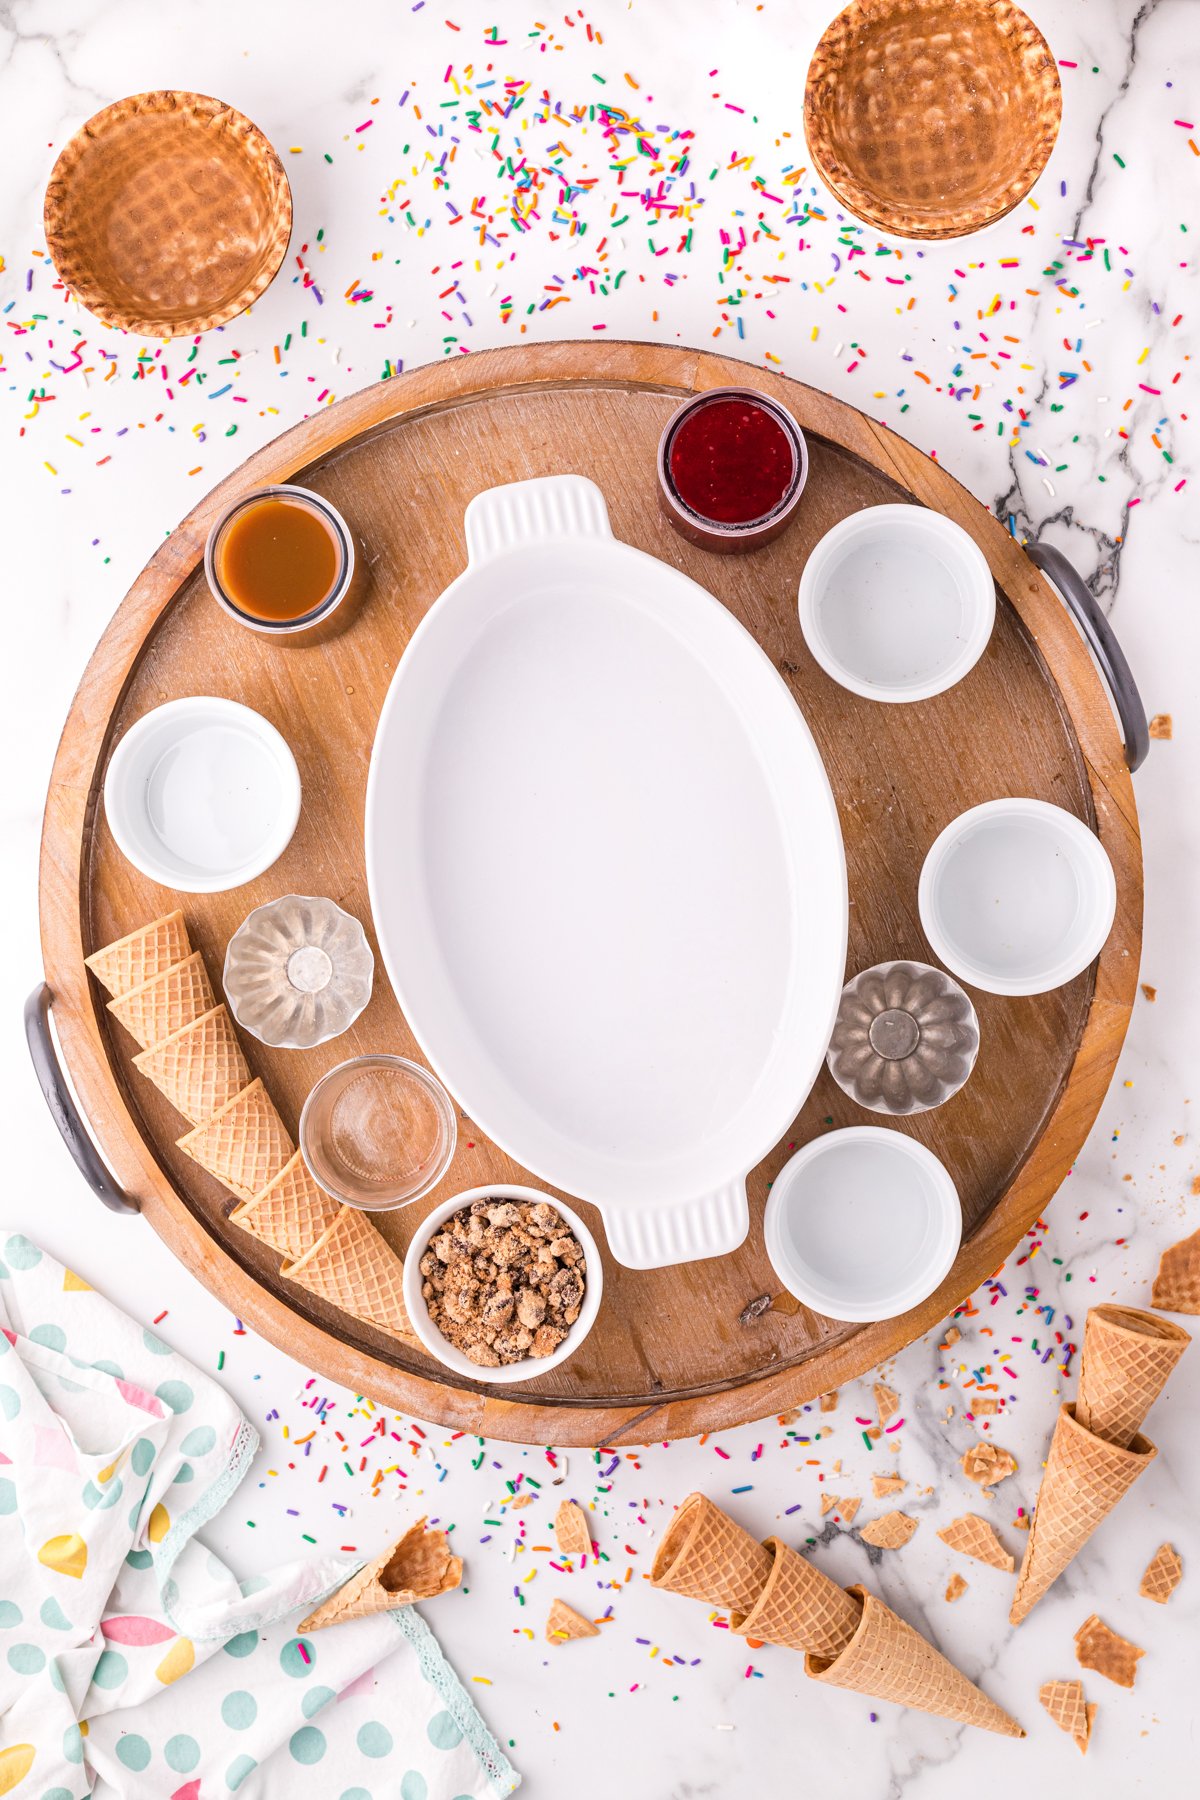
(169, 213)
(800, 1607)
(931, 118)
(706, 1556)
(1085, 1477)
(1128, 1357)
(291, 1212)
(888, 1660)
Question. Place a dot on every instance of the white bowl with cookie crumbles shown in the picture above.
(526, 1366)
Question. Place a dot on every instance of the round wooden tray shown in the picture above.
(670, 1354)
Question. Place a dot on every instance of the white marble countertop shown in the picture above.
(1079, 430)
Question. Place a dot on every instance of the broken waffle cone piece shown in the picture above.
(704, 1555)
(956, 1587)
(160, 1007)
(245, 1145)
(1127, 1358)
(986, 1463)
(131, 960)
(290, 1212)
(351, 1267)
(1177, 1284)
(1065, 1703)
(200, 1069)
(891, 1532)
(1163, 1574)
(571, 1532)
(887, 1660)
(973, 1536)
(564, 1624)
(1085, 1476)
(419, 1567)
(1099, 1647)
(799, 1607)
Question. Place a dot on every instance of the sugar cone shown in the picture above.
(140, 956)
(166, 1003)
(352, 1268)
(799, 1607)
(1085, 1477)
(419, 1567)
(705, 1555)
(888, 1660)
(245, 1145)
(290, 1213)
(1127, 1358)
(200, 1068)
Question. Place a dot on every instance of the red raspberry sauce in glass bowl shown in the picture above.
(732, 461)
(732, 466)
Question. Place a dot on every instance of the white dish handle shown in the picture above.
(655, 1237)
(530, 512)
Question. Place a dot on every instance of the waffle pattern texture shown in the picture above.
(168, 214)
(931, 118)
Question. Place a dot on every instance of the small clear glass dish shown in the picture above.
(378, 1132)
(298, 972)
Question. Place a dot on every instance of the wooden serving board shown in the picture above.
(669, 1355)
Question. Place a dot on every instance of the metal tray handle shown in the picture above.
(62, 1106)
(1101, 640)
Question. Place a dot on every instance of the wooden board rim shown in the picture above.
(74, 795)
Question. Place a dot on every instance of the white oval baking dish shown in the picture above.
(606, 871)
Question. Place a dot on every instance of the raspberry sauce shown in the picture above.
(731, 461)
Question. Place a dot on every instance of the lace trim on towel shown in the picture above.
(445, 1683)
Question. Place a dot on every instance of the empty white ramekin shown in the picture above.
(897, 603)
(1017, 896)
(530, 1367)
(862, 1224)
(202, 794)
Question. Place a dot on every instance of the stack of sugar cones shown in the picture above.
(799, 1607)
(888, 1660)
(848, 1637)
(419, 1567)
(162, 995)
(351, 1267)
(708, 1557)
(145, 953)
(290, 1212)
(165, 1003)
(1128, 1357)
(244, 1144)
(1097, 1451)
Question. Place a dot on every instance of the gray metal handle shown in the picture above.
(63, 1109)
(1102, 642)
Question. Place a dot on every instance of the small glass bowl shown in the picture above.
(298, 972)
(714, 534)
(378, 1132)
(339, 605)
(905, 1040)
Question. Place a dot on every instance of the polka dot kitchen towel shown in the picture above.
(134, 1665)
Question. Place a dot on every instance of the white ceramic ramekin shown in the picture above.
(530, 1367)
(862, 1224)
(897, 603)
(1017, 896)
(202, 795)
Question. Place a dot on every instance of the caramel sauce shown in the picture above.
(278, 559)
